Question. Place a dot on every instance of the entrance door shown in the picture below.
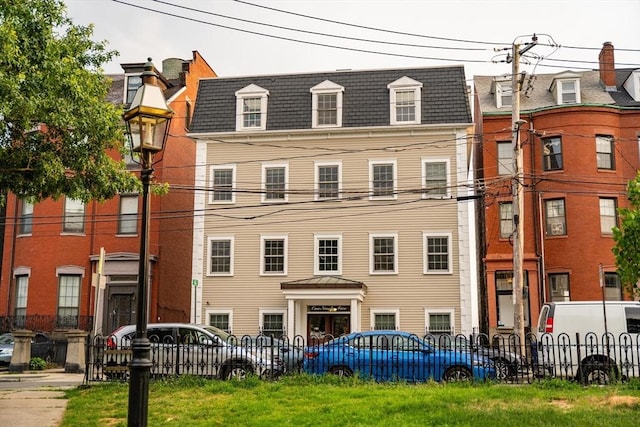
(326, 326)
(120, 311)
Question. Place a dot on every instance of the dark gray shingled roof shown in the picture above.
(365, 99)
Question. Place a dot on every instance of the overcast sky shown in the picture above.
(321, 35)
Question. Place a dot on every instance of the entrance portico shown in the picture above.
(330, 304)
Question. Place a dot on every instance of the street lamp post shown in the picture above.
(147, 121)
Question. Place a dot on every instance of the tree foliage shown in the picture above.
(627, 239)
(55, 122)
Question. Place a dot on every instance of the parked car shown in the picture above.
(507, 364)
(181, 348)
(41, 346)
(269, 347)
(589, 340)
(394, 355)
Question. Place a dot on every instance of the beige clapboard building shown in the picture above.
(335, 202)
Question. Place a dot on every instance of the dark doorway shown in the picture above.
(325, 326)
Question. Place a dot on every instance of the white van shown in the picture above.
(576, 340)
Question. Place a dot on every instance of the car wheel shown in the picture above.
(503, 369)
(237, 371)
(457, 374)
(341, 371)
(596, 373)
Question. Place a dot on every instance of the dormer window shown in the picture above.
(504, 94)
(405, 95)
(251, 108)
(566, 89)
(632, 85)
(326, 108)
(132, 83)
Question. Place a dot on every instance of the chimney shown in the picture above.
(607, 67)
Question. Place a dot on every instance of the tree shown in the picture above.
(627, 239)
(56, 126)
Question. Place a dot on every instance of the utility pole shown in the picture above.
(518, 184)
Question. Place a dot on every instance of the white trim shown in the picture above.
(251, 91)
(376, 310)
(425, 236)
(373, 236)
(316, 179)
(500, 90)
(557, 89)
(405, 84)
(450, 311)
(316, 254)
(283, 237)
(372, 164)
(212, 171)
(447, 172)
(229, 238)
(327, 87)
(70, 270)
(263, 185)
(228, 311)
(199, 249)
(22, 271)
(263, 311)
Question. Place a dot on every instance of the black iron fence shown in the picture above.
(504, 358)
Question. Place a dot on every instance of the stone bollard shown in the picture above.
(76, 347)
(21, 350)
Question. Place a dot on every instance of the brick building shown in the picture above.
(580, 147)
(51, 249)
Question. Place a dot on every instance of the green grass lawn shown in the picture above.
(329, 401)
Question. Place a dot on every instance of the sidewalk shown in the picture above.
(35, 398)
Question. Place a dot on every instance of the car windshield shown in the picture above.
(219, 332)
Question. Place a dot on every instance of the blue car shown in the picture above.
(394, 355)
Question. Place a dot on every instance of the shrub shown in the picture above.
(37, 364)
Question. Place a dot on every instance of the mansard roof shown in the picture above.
(365, 100)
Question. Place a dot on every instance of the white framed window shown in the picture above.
(68, 299)
(132, 83)
(566, 88)
(383, 253)
(73, 216)
(328, 254)
(272, 322)
(220, 259)
(222, 182)
(328, 180)
(435, 178)
(405, 96)
(275, 182)
(26, 217)
(385, 319)
(504, 94)
(251, 108)
(555, 217)
(505, 158)
(604, 152)
(326, 108)
(273, 255)
(383, 179)
(608, 218)
(437, 250)
(128, 214)
(22, 292)
(506, 220)
(220, 318)
(439, 321)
